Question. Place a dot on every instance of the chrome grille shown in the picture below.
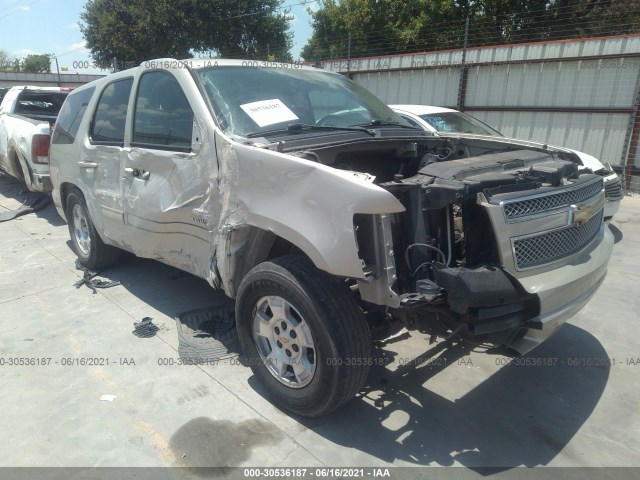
(540, 204)
(613, 190)
(555, 245)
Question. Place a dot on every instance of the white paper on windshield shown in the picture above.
(268, 112)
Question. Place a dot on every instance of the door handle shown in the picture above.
(88, 164)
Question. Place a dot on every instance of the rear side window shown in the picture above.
(36, 103)
(109, 120)
(163, 116)
(71, 116)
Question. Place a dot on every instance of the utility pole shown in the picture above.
(349, 56)
(462, 85)
(58, 70)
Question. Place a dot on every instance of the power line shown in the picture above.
(71, 51)
(4, 9)
(20, 8)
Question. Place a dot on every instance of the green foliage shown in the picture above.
(30, 64)
(383, 26)
(393, 26)
(5, 60)
(146, 29)
(36, 64)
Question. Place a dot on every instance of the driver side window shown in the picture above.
(163, 118)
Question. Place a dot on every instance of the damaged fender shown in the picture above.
(306, 203)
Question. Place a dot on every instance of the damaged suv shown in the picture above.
(325, 215)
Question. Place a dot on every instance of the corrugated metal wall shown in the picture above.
(580, 94)
(554, 84)
(429, 87)
(599, 134)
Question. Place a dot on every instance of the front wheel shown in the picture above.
(303, 335)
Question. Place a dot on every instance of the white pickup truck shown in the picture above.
(27, 117)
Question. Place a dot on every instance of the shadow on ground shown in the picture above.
(522, 415)
(204, 317)
(12, 189)
(164, 288)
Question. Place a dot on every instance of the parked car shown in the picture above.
(446, 121)
(325, 215)
(27, 115)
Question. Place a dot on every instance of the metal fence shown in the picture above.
(582, 94)
(13, 79)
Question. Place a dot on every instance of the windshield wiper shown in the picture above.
(385, 123)
(299, 127)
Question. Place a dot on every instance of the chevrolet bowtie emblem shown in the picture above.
(579, 215)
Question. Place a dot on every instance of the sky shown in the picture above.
(51, 26)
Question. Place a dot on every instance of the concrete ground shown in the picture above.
(577, 407)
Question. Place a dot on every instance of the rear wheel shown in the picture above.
(303, 335)
(89, 247)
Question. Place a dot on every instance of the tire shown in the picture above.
(20, 174)
(87, 244)
(332, 337)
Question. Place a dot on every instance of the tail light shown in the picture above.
(40, 149)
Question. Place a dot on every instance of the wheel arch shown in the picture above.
(247, 246)
(66, 187)
(65, 190)
(20, 166)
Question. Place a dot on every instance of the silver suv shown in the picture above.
(325, 215)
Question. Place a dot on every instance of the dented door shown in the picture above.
(100, 163)
(166, 177)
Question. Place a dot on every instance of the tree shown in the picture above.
(393, 26)
(146, 29)
(6, 62)
(9, 63)
(381, 27)
(37, 64)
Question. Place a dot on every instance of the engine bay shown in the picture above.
(438, 180)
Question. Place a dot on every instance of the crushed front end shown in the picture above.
(501, 247)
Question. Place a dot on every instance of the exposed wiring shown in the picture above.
(425, 245)
(430, 264)
(440, 156)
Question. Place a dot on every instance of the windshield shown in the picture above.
(250, 100)
(458, 122)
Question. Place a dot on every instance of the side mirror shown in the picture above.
(196, 138)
